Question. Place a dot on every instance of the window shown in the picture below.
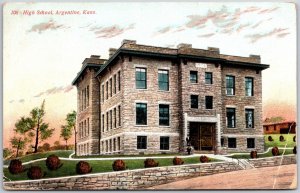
(250, 143)
(106, 121)
(230, 117)
(163, 79)
(115, 83)
(110, 86)
(193, 76)
(110, 116)
(222, 142)
(106, 145)
(88, 96)
(110, 145)
(115, 117)
(141, 114)
(209, 102)
(84, 128)
(164, 143)
(249, 118)
(119, 143)
(102, 89)
(114, 144)
(208, 78)
(231, 142)
(119, 80)
(194, 101)
(141, 142)
(230, 85)
(119, 111)
(88, 126)
(106, 89)
(164, 115)
(103, 123)
(141, 78)
(249, 86)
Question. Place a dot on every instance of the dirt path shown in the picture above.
(280, 177)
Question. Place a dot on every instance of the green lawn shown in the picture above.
(26, 158)
(268, 154)
(68, 168)
(108, 156)
(288, 140)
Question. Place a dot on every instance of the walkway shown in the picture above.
(279, 177)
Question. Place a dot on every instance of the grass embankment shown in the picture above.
(68, 168)
(288, 139)
(109, 156)
(267, 154)
(35, 156)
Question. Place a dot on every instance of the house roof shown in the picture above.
(184, 51)
(279, 123)
(84, 67)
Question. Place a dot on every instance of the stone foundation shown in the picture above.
(273, 161)
(134, 179)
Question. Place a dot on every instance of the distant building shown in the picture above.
(148, 100)
(280, 128)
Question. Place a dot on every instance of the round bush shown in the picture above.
(15, 166)
(177, 161)
(119, 165)
(83, 167)
(35, 172)
(294, 138)
(204, 159)
(53, 162)
(270, 138)
(281, 138)
(275, 151)
(253, 154)
(148, 163)
(295, 150)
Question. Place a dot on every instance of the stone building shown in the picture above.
(149, 100)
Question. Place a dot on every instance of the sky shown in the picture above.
(43, 52)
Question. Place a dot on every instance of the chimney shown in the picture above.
(111, 51)
(213, 49)
(128, 42)
(95, 56)
(183, 45)
(255, 58)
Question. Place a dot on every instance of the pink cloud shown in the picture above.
(46, 26)
(206, 35)
(275, 32)
(110, 31)
(55, 90)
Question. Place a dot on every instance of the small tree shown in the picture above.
(18, 143)
(46, 147)
(66, 134)
(71, 122)
(7, 152)
(35, 126)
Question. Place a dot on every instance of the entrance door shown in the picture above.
(202, 136)
(206, 136)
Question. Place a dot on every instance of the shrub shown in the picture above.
(294, 138)
(253, 154)
(275, 151)
(281, 138)
(148, 163)
(83, 167)
(35, 172)
(119, 165)
(177, 161)
(204, 159)
(295, 150)
(270, 138)
(15, 166)
(53, 162)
